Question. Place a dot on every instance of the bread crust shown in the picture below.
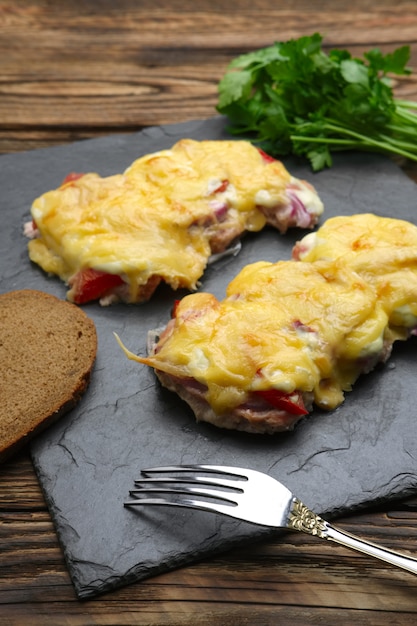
(47, 352)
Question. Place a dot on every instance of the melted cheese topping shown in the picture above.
(290, 326)
(382, 250)
(152, 219)
(311, 325)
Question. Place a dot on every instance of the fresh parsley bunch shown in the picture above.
(292, 97)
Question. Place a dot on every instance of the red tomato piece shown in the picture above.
(71, 177)
(91, 284)
(265, 156)
(222, 186)
(174, 308)
(290, 402)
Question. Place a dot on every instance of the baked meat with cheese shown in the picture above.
(118, 237)
(288, 336)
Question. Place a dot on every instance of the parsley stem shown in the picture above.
(406, 104)
(386, 145)
(401, 143)
(349, 143)
(406, 115)
(403, 131)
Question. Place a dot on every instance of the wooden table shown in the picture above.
(70, 71)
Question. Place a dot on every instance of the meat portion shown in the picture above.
(286, 336)
(297, 208)
(163, 219)
(254, 416)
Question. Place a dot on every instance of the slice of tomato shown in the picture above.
(71, 177)
(91, 284)
(174, 308)
(223, 185)
(290, 402)
(266, 157)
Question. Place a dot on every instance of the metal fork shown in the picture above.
(247, 495)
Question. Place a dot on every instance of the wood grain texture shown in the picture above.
(75, 70)
(71, 71)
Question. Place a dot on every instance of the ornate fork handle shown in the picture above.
(303, 519)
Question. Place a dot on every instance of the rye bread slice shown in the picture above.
(47, 351)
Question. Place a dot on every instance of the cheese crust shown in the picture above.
(164, 217)
(383, 251)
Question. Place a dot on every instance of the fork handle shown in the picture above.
(372, 549)
(305, 520)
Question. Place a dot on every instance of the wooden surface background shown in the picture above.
(85, 68)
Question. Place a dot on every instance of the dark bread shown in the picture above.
(47, 351)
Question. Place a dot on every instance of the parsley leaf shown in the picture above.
(292, 97)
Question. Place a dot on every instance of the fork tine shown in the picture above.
(187, 503)
(197, 473)
(236, 472)
(191, 480)
(200, 491)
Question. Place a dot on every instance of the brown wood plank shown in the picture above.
(141, 67)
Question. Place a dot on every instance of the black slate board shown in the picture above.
(364, 452)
